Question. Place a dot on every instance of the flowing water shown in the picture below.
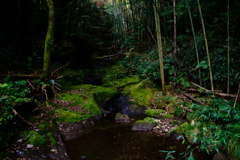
(111, 141)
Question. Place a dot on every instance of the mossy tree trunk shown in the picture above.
(159, 43)
(49, 41)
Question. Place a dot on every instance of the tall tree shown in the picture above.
(206, 45)
(195, 42)
(228, 54)
(159, 43)
(175, 35)
(49, 40)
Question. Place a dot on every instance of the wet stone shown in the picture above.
(122, 118)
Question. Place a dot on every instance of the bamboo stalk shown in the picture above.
(195, 42)
(175, 36)
(206, 44)
(228, 54)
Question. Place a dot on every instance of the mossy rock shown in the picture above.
(82, 102)
(122, 82)
(34, 138)
(180, 130)
(139, 93)
(153, 112)
(146, 120)
(66, 115)
(168, 115)
(144, 125)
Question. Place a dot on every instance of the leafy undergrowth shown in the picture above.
(77, 104)
(218, 125)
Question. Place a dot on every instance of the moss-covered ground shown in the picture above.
(80, 102)
(76, 104)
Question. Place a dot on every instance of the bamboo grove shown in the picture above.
(199, 36)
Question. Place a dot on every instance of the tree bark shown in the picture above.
(49, 41)
(159, 43)
(175, 36)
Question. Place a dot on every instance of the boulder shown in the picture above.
(144, 125)
(122, 118)
(220, 157)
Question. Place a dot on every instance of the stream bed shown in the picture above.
(108, 140)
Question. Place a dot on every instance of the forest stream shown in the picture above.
(109, 140)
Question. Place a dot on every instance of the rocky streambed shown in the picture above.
(81, 124)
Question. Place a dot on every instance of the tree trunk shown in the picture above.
(206, 44)
(228, 54)
(159, 43)
(195, 42)
(175, 36)
(49, 41)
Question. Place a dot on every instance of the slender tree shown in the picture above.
(159, 43)
(228, 54)
(49, 40)
(206, 45)
(175, 35)
(195, 42)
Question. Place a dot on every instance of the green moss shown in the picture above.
(51, 138)
(181, 129)
(34, 138)
(122, 82)
(84, 99)
(168, 115)
(46, 126)
(84, 102)
(65, 115)
(168, 87)
(134, 106)
(146, 120)
(153, 112)
(139, 93)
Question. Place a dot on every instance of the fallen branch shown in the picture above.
(215, 93)
(190, 97)
(236, 96)
(109, 55)
(60, 68)
(185, 108)
(16, 113)
(27, 76)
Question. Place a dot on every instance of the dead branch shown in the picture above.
(58, 69)
(190, 97)
(185, 108)
(197, 90)
(215, 93)
(237, 96)
(33, 88)
(152, 35)
(25, 76)
(16, 113)
(109, 55)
